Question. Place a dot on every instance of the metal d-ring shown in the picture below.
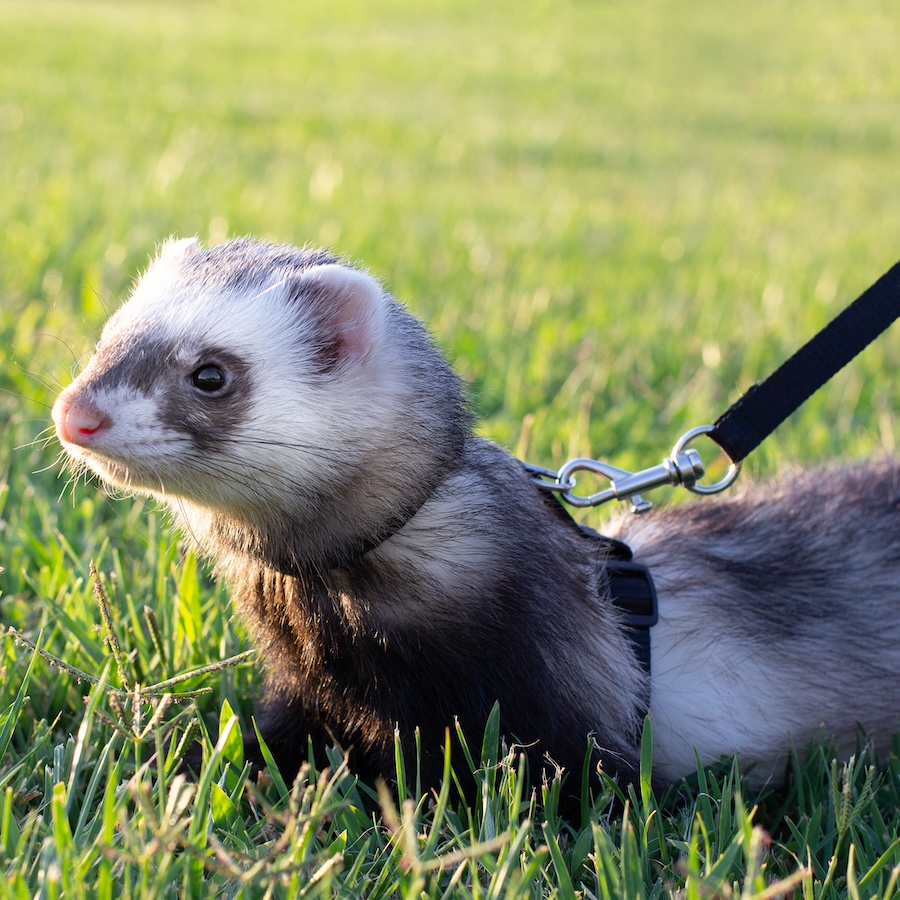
(730, 476)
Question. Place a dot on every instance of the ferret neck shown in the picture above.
(392, 527)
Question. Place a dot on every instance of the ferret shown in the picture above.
(399, 573)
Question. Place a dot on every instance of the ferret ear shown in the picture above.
(349, 306)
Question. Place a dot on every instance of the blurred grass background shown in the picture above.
(615, 217)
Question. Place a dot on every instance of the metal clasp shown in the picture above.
(682, 467)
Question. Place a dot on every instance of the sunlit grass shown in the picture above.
(614, 217)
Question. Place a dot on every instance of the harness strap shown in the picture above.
(629, 584)
(631, 589)
(748, 422)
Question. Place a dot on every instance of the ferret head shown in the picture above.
(264, 391)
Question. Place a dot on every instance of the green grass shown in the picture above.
(615, 217)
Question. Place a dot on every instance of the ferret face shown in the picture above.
(231, 378)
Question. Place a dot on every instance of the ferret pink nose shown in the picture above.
(77, 423)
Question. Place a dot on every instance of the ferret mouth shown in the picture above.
(120, 474)
(138, 478)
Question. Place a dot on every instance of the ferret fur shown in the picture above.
(398, 572)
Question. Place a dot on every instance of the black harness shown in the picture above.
(631, 589)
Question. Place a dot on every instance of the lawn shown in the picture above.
(614, 218)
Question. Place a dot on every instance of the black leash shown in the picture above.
(748, 422)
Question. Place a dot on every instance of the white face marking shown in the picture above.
(296, 429)
(118, 452)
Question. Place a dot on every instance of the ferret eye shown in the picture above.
(208, 378)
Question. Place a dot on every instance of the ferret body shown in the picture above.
(399, 573)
